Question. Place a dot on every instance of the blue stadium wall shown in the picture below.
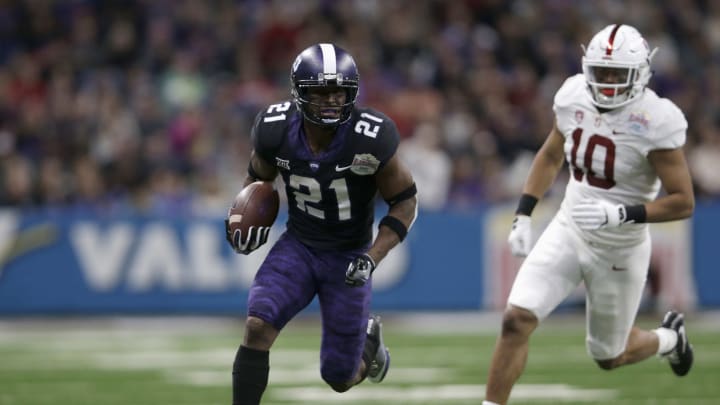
(57, 263)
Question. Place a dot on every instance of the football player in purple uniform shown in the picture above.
(622, 143)
(333, 157)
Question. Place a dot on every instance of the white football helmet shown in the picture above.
(616, 65)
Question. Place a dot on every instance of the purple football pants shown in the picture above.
(290, 277)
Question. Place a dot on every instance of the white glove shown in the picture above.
(591, 214)
(520, 236)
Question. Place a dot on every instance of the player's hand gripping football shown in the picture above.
(256, 238)
(591, 214)
(359, 271)
(520, 236)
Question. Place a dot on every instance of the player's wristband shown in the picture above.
(395, 225)
(635, 213)
(526, 204)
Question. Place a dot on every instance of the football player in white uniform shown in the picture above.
(622, 143)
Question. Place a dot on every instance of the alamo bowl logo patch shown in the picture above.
(639, 122)
(364, 164)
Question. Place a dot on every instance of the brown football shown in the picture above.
(255, 205)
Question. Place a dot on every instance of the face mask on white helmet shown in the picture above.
(616, 65)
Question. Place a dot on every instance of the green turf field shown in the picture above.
(188, 360)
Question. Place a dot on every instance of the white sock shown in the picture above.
(667, 340)
(489, 403)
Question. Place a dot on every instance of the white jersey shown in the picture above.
(607, 153)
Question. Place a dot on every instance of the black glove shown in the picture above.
(257, 237)
(359, 270)
(228, 234)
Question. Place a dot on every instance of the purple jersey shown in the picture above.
(330, 195)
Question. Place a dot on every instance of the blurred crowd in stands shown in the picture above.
(146, 105)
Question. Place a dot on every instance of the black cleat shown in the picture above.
(379, 354)
(681, 357)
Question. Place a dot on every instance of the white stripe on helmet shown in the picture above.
(328, 53)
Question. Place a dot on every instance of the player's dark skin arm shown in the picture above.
(265, 170)
(546, 165)
(393, 179)
(679, 201)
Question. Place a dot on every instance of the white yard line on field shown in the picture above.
(555, 392)
(305, 375)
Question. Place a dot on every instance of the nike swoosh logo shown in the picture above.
(618, 132)
(338, 168)
(615, 268)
